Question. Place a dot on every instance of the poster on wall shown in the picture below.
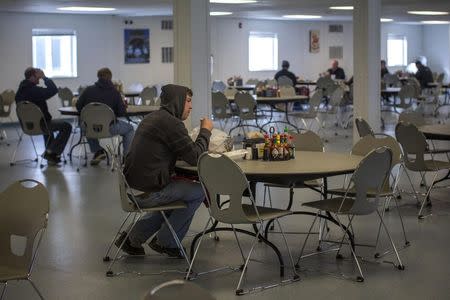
(137, 46)
(314, 41)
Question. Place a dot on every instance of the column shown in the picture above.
(366, 62)
(192, 54)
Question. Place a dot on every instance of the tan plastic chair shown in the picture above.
(23, 216)
(66, 96)
(364, 128)
(32, 122)
(220, 108)
(312, 113)
(7, 99)
(414, 145)
(246, 106)
(173, 289)
(148, 95)
(283, 81)
(231, 183)
(129, 203)
(370, 175)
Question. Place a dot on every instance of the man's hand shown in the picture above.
(206, 123)
(40, 73)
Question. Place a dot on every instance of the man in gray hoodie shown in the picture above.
(160, 139)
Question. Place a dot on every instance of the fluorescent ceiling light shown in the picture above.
(386, 20)
(305, 17)
(341, 7)
(86, 8)
(220, 13)
(232, 1)
(435, 22)
(427, 13)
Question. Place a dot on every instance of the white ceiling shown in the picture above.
(263, 9)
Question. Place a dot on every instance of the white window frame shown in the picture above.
(272, 60)
(67, 52)
(401, 47)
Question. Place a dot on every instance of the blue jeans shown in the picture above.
(191, 193)
(121, 128)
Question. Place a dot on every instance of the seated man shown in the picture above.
(103, 91)
(384, 69)
(423, 75)
(335, 71)
(161, 138)
(29, 91)
(285, 72)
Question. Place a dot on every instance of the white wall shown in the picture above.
(229, 46)
(437, 53)
(100, 44)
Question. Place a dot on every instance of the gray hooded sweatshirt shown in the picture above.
(160, 139)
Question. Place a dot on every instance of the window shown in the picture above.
(55, 52)
(397, 51)
(262, 51)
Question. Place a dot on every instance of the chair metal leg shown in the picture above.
(36, 289)
(106, 257)
(306, 240)
(296, 276)
(196, 250)
(13, 160)
(427, 195)
(361, 277)
(3, 290)
(401, 221)
(400, 265)
(238, 243)
(175, 237)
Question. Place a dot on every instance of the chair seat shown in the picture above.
(352, 192)
(265, 213)
(7, 273)
(169, 206)
(332, 205)
(436, 165)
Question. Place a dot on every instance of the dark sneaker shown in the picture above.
(171, 252)
(98, 157)
(51, 158)
(127, 247)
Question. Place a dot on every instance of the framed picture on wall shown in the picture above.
(314, 41)
(137, 46)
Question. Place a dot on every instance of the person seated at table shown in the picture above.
(285, 72)
(384, 69)
(335, 72)
(103, 91)
(423, 75)
(30, 91)
(162, 138)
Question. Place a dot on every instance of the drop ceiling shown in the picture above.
(263, 9)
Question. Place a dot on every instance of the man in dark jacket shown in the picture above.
(160, 139)
(30, 91)
(103, 91)
(285, 72)
(423, 75)
(335, 71)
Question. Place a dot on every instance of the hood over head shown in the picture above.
(173, 98)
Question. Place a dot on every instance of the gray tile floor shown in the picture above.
(85, 211)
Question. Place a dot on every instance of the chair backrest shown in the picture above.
(66, 96)
(284, 81)
(271, 82)
(316, 98)
(336, 96)
(23, 214)
(8, 97)
(370, 175)
(440, 78)
(391, 79)
(220, 176)
(219, 105)
(307, 141)
(31, 118)
(127, 200)
(230, 92)
(416, 85)
(412, 117)
(369, 143)
(96, 119)
(246, 105)
(363, 127)
(218, 86)
(287, 91)
(148, 95)
(414, 145)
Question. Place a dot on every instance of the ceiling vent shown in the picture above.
(336, 28)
